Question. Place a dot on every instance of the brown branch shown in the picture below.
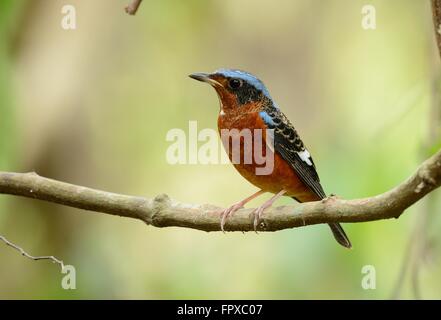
(133, 6)
(164, 212)
(436, 13)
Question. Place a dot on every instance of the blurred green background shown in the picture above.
(92, 106)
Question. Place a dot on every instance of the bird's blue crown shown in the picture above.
(246, 77)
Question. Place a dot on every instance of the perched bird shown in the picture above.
(245, 103)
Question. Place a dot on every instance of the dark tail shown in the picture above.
(337, 231)
(340, 235)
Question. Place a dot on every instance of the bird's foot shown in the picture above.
(259, 211)
(228, 212)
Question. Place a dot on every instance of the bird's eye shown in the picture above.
(235, 83)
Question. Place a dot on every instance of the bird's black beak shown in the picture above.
(199, 76)
(204, 77)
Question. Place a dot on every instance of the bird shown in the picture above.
(245, 103)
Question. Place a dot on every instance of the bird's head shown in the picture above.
(235, 88)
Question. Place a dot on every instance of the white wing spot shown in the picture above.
(305, 156)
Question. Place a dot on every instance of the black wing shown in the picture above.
(289, 145)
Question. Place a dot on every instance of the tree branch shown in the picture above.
(436, 13)
(133, 6)
(164, 212)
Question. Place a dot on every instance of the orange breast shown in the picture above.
(282, 177)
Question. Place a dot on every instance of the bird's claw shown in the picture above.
(257, 216)
(227, 212)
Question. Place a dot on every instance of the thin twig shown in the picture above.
(133, 6)
(27, 255)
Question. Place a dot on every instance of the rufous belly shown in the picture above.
(283, 175)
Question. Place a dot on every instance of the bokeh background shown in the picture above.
(92, 106)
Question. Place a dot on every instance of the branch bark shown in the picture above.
(436, 13)
(133, 6)
(164, 212)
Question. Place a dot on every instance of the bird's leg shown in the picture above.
(259, 211)
(230, 210)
